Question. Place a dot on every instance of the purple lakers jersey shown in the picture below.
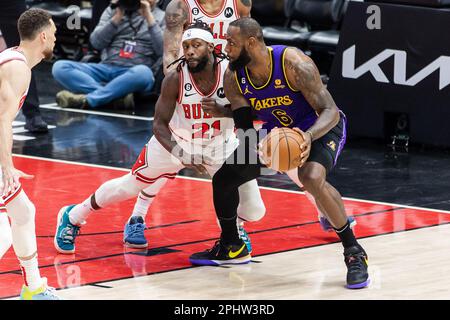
(276, 103)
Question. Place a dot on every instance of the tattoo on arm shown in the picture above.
(232, 91)
(247, 3)
(244, 7)
(303, 75)
(176, 17)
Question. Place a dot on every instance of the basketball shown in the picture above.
(281, 149)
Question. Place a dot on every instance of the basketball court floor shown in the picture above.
(399, 199)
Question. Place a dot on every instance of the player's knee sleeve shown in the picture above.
(22, 213)
(251, 207)
(153, 189)
(5, 234)
(21, 210)
(252, 211)
(117, 190)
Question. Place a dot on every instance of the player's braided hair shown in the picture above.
(217, 53)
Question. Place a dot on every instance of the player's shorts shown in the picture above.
(9, 197)
(327, 149)
(155, 162)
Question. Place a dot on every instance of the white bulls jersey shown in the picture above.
(5, 56)
(193, 129)
(14, 54)
(219, 23)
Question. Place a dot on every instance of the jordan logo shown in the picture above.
(247, 91)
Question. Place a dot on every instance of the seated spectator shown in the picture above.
(131, 45)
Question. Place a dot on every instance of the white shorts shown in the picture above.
(156, 162)
(9, 197)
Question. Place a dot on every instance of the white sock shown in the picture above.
(142, 204)
(80, 212)
(30, 272)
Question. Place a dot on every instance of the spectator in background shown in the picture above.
(9, 15)
(131, 45)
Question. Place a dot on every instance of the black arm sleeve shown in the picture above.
(243, 118)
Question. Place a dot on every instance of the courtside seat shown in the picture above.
(292, 33)
(71, 38)
(324, 41)
(57, 10)
(289, 37)
(327, 40)
(312, 16)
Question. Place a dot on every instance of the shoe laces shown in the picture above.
(49, 291)
(69, 233)
(215, 249)
(136, 229)
(355, 262)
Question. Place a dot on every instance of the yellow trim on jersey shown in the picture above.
(237, 81)
(284, 72)
(271, 72)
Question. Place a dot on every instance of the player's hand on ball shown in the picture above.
(10, 180)
(264, 158)
(305, 146)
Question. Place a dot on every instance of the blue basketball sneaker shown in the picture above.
(327, 227)
(66, 232)
(133, 234)
(244, 236)
(42, 293)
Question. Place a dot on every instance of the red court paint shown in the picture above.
(181, 218)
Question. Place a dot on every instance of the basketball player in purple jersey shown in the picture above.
(218, 15)
(283, 87)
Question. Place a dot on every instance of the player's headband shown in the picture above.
(198, 34)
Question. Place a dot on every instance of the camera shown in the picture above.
(128, 6)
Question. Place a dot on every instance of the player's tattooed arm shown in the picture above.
(177, 17)
(244, 7)
(304, 76)
(232, 91)
(164, 109)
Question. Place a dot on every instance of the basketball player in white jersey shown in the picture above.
(37, 39)
(217, 14)
(184, 136)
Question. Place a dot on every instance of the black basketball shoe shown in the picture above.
(357, 263)
(222, 253)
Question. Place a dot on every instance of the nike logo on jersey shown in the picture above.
(188, 95)
(234, 254)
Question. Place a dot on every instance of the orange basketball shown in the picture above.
(281, 149)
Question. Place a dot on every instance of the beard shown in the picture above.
(48, 54)
(241, 61)
(200, 66)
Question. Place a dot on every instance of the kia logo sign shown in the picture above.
(400, 59)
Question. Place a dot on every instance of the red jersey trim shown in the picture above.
(218, 71)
